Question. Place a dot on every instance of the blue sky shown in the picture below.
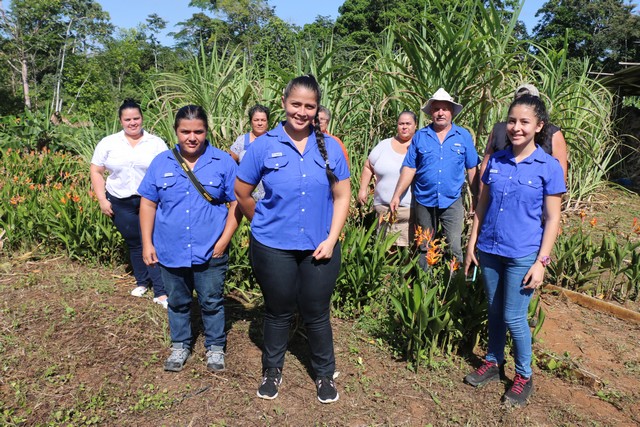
(130, 13)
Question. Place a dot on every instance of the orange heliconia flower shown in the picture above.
(389, 217)
(16, 200)
(454, 265)
(423, 237)
(57, 186)
(433, 255)
(636, 226)
(63, 200)
(593, 222)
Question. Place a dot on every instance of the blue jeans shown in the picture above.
(291, 279)
(208, 282)
(127, 220)
(450, 218)
(508, 307)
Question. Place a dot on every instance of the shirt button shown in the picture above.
(505, 193)
(509, 177)
(440, 158)
(187, 211)
(187, 193)
(438, 183)
(187, 228)
(501, 209)
(302, 230)
(529, 182)
(189, 246)
(303, 193)
(440, 170)
(277, 164)
(304, 175)
(301, 159)
(302, 209)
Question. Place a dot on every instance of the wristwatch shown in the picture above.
(545, 260)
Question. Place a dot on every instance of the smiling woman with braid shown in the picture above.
(295, 253)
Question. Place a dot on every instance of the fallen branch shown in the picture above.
(596, 304)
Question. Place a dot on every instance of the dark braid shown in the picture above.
(323, 150)
(308, 81)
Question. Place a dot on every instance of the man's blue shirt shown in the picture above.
(187, 226)
(296, 211)
(440, 168)
(512, 225)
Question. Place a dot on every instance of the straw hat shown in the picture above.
(442, 95)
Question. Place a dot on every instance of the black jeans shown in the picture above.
(291, 279)
(126, 217)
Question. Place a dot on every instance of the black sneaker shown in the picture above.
(327, 391)
(489, 371)
(520, 391)
(271, 379)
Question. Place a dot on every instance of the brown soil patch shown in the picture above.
(76, 349)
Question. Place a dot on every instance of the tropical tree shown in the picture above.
(607, 31)
(40, 33)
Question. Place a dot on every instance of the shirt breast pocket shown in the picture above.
(213, 186)
(459, 152)
(530, 189)
(321, 173)
(276, 170)
(166, 186)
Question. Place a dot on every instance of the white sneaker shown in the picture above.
(138, 291)
(162, 302)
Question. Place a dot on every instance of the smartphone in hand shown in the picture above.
(471, 277)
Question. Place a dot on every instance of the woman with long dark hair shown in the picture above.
(295, 252)
(514, 229)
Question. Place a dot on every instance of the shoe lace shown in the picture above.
(518, 384)
(178, 354)
(325, 381)
(215, 354)
(484, 368)
(270, 374)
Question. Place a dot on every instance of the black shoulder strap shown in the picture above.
(192, 177)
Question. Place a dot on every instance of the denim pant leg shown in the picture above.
(209, 284)
(127, 221)
(508, 307)
(277, 273)
(316, 284)
(452, 219)
(179, 283)
(516, 308)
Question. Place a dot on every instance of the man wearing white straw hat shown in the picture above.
(435, 163)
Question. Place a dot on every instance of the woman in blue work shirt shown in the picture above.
(295, 254)
(188, 235)
(514, 229)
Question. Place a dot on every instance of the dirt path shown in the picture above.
(77, 349)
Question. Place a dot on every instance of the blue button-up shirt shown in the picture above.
(440, 168)
(512, 225)
(297, 208)
(186, 225)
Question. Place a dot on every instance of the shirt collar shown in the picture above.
(538, 155)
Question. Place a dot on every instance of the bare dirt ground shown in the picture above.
(76, 349)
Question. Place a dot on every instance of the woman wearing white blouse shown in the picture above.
(126, 155)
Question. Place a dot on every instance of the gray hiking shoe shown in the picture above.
(179, 355)
(215, 360)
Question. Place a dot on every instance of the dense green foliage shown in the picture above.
(473, 50)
